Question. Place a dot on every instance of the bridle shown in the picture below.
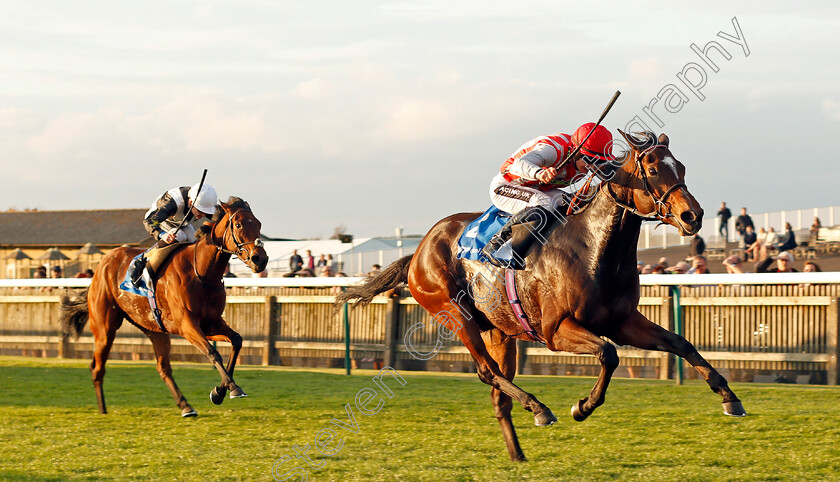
(221, 248)
(239, 245)
(661, 210)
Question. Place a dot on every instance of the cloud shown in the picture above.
(831, 109)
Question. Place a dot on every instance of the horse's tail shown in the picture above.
(391, 277)
(73, 309)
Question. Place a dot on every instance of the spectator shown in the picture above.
(699, 266)
(322, 261)
(784, 264)
(310, 260)
(697, 246)
(724, 214)
(40, 272)
(640, 265)
(327, 271)
(742, 221)
(811, 267)
(657, 269)
(295, 262)
(750, 243)
(788, 241)
(89, 273)
(56, 272)
(816, 224)
(663, 262)
(646, 269)
(680, 268)
(733, 265)
(374, 270)
(770, 237)
(306, 273)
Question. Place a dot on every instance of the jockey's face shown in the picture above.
(198, 214)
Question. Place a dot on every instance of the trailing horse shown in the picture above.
(190, 296)
(582, 284)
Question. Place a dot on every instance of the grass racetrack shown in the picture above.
(436, 427)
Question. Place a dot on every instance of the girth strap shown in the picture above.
(516, 306)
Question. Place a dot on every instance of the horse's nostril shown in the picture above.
(689, 217)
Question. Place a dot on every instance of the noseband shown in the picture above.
(661, 210)
(239, 245)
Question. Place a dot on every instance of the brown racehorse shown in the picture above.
(190, 295)
(581, 284)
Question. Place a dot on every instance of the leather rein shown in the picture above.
(661, 210)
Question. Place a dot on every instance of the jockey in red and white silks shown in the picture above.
(529, 181)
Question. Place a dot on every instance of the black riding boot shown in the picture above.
(523, 227)
(139, 266)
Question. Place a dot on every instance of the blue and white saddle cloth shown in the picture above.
(479, 232)
(141, 288)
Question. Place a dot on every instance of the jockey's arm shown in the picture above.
(536, 164)
(166, 208)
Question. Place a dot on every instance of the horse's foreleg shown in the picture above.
(161, 343)
(572, 337)
(197, 338)
(505, 356)
(640, 332)
(225, 333)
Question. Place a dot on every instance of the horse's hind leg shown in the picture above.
(104, 323)
(574, 338)
(640, 332)
(505, 356)
(223, 332)
(162, 344)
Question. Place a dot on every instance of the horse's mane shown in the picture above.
(234, 203)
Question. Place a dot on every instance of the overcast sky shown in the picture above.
(376, 114)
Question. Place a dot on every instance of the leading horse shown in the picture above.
(190, 296)
(581, 284)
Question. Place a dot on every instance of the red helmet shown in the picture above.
(599, 144)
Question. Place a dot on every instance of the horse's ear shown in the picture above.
(663, 139)
(635, 141)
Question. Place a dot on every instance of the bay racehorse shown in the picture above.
(190, 296)
(581, 284)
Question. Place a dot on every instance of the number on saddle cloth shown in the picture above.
(479, 232)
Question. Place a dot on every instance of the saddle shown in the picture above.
(155, 257)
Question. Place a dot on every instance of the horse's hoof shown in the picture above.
(217, 396)
(237, 393)
(734, 409)
(577, 412)
(188, 412)
(544, 419)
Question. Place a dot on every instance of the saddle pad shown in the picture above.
(478, 233)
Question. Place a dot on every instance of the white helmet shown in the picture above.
(206, 200)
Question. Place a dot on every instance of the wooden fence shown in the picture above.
(750, 330)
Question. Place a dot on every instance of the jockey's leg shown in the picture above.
(527, 225)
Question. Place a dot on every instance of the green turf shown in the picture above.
(436, 427)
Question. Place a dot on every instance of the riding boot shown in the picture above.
(521, 229)
(138, 267)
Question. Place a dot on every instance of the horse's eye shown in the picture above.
(652, 171)
(238, 226)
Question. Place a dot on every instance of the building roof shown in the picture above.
(103, 228)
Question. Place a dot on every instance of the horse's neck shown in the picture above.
(209, 259)
(610, 232)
